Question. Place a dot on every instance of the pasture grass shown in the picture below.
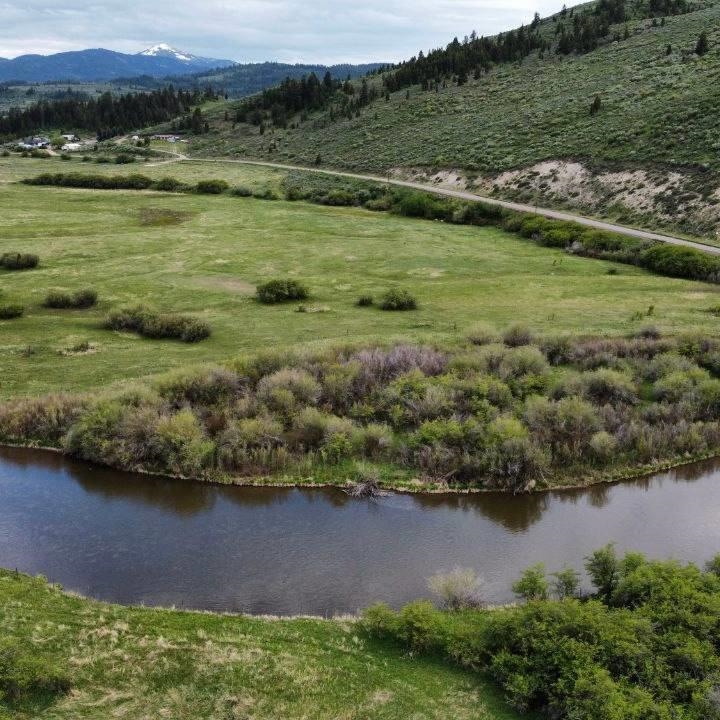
(139, 663)
(204, 256)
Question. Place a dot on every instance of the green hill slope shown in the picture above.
(657, 131)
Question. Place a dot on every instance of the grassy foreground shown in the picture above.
(146, 664)
(205, 255)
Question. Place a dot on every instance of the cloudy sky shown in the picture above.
(326, 31)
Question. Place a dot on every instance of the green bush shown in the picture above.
(157, 326)
(281, 291)
(517, 336)
(398, 299)
(211, 187)
(169, 184)
(643, 648)
(19, 261)
(11, 312)
(240, 191)
(81, 299)
(365, 301)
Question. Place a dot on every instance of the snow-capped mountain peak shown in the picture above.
(164, 50)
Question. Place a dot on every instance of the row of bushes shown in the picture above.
(126, 182)
(644, 646)
(150, 324)
(279, 291)
(509, 416)
(658, 257)
(61, 300)
(18, 261)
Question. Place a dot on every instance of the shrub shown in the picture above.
(565, 583)
(211, 187)
(19, 261)
(482, 334)
(365, 301)
(169, 184)
(603, 446)
(240, 191)
(11, 312)
(41, 421)
(608, 386)
(682, 262)
(153, 325)
(81, 299)
(518, 335)
(303, 387)
(398, 300)
(460, 589)
(280, 291)
(533, 584)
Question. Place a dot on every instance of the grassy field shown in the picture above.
(145, 664)
(204, 255)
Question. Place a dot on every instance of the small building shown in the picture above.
(34, 143)
(70, 137)
(166, 138)
(72, 147)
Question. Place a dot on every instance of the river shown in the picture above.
(145, 540)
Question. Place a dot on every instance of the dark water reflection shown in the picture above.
(135, 539)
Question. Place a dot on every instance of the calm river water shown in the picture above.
(134, 539)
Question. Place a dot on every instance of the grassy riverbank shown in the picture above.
(109, 661)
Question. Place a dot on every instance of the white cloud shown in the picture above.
(255, 30)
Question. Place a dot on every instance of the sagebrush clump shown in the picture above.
(151, 324)
(79, 300)
(398, 300)
(280, 291)
(18, 261)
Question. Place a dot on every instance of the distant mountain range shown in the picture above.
(249, 78)
(98, 65)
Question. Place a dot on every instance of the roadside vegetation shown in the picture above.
(515, 414)
(642, 646)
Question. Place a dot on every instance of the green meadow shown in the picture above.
(204, 256)
(143, 663)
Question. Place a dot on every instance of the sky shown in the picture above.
(320, 31)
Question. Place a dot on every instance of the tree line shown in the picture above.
(575, 32)
(107, 115)
(308, 94)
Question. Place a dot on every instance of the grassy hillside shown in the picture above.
(140, 663)
(658, 112)
(205, 255)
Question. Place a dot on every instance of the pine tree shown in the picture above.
(703, 44)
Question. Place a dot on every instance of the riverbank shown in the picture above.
(94, 660)
(512, 414)
(412, 486)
